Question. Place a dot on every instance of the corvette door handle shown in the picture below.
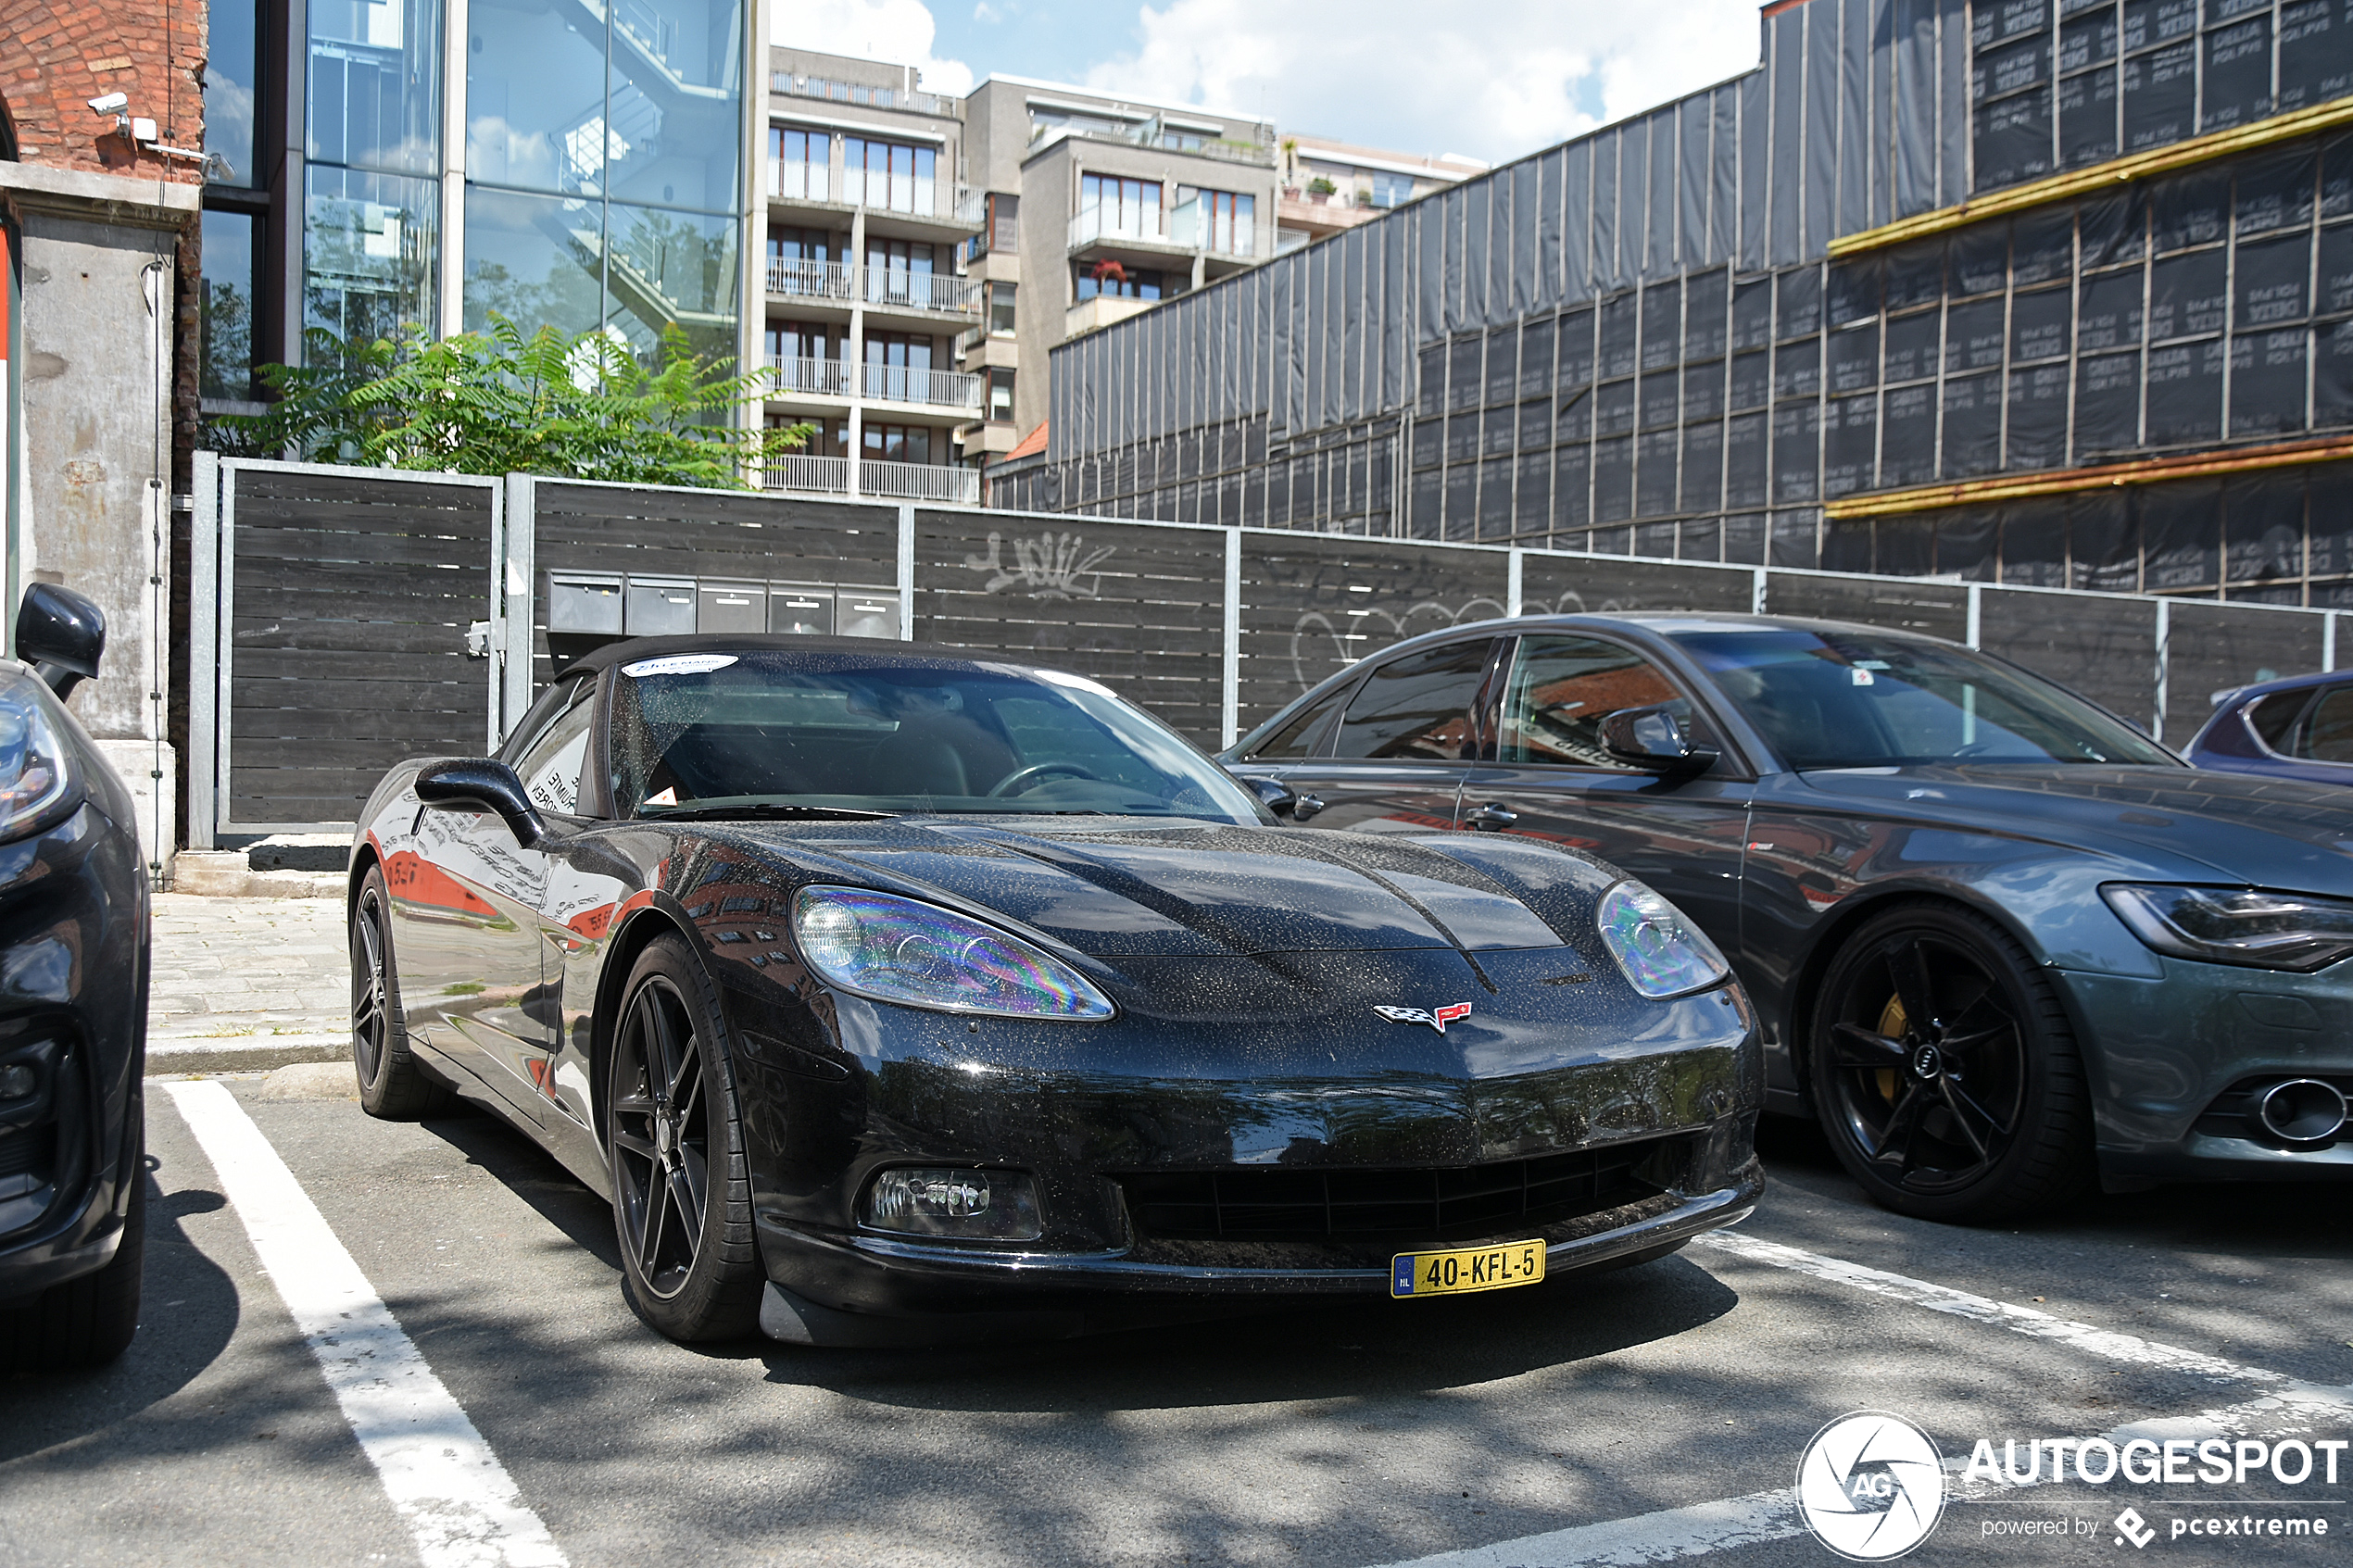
(1493, 817)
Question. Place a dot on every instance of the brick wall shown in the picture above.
(58, 55)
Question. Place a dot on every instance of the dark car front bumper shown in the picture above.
(73, 1006)
(1131, 1130)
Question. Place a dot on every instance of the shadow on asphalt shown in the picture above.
(188, 1310)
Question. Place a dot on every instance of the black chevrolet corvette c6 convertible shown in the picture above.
(896, 995)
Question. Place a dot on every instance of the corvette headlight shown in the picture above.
(918, 955)
(37, 781)
(2237, 925)
(1662, 952)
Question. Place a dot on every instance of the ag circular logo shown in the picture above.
(1870, 1486)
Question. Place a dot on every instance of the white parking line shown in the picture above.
(443, 1478)
(2290, 1406)
(2100, 1342)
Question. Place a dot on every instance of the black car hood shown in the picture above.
(1130, 887)
(2195, 823)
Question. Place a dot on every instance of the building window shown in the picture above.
(231, 78)
(1120, 282)
(1001, 395)
(1109, 205)
(889, 175)
(803, 161)
(899, 444)
(226, 312)
(1392, 190)
(1223, 221)
(1001, 309)
(899, 272)
(372, 136)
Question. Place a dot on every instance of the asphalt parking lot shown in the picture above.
(474, 1343)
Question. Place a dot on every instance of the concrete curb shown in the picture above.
(226, 873)
(241, 1053)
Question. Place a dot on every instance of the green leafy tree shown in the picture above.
(576, 406)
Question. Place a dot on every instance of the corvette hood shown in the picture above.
(1120, 887)
(2195, 823)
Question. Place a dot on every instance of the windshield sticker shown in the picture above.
(1862, 676)
(680, 664)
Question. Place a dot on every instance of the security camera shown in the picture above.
(110, 103)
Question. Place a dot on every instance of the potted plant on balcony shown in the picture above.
(1319, 190)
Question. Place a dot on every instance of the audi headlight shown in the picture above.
(2237, 925)
(1662, 953)
(38, 784)
(898, 950)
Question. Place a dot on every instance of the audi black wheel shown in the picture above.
(682, 1197)
(1944, 1072)
(392, 1085)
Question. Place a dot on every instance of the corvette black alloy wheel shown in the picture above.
(1945, 1075)
(680, 1195)
(391, 1083)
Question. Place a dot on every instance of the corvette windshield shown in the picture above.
(1858, 699)
(787, 733)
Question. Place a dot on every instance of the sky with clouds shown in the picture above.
(1493, 81)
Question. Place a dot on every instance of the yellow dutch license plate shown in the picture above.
(1459, 1271)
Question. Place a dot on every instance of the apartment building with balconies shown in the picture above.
(1329, 187)
(1093, 208)
(864, 298)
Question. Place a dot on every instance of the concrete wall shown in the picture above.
(96, 356)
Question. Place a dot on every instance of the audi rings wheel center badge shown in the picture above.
(1437, 1018)
(1870, 1486)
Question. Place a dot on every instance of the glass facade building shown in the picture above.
(2038, 291)
(564, 165)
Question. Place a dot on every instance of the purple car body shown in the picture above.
(2299, 727)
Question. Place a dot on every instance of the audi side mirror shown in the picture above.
(488, 785)
(1649, 738)
(60, 634)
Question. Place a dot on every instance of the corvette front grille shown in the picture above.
(1334, 1203)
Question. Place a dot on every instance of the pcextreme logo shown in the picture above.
(1870, 1486)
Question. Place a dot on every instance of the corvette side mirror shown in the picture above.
(60, 634)
(1283, 800)
(1650, 739)
(485, 783)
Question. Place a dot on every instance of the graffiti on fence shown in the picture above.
(1319, 649)
(1050, 565)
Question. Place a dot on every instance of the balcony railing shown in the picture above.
(892, 286)
(825, 378)
(903, 482)
(898, 383)
(921, 291)
(808, 280)
(1093, 223)
(860, 93)
(927, 199)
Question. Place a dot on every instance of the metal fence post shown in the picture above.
(1514, 577)
(513, 594)
(2328, 640)
(1976, 611)
(1756, 593)
(1230, 675)
(2164, 635)
(906, 573)
(204, 648)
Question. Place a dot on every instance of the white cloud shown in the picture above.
(899, 31)
(1495, 81)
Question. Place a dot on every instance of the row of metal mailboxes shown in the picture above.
(617, 604)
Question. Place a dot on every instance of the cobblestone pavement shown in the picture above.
(255, 973)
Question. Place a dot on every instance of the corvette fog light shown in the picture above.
(975, 1205)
